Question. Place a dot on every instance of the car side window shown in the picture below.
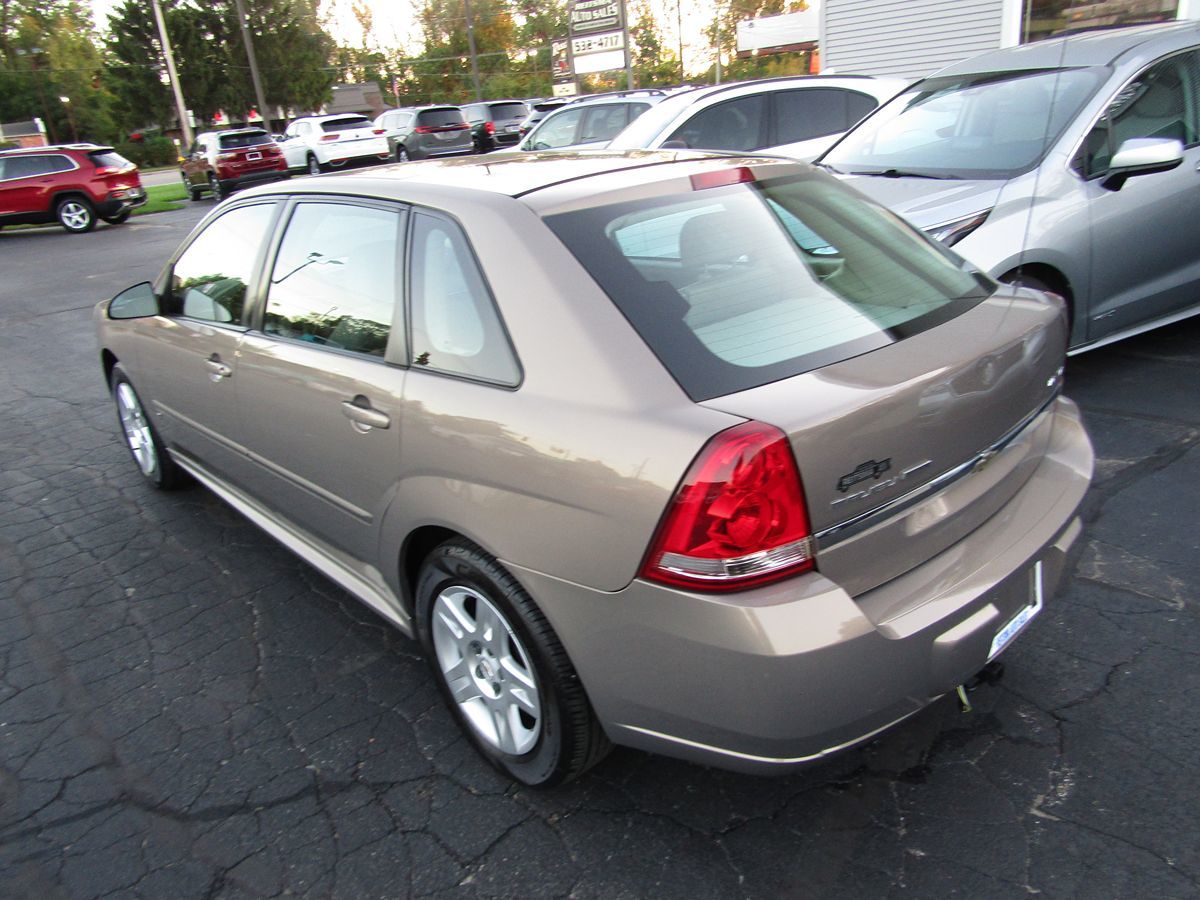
(732, 125)
(601, 123)
(209, 280)
(334, 281)
(558, 131)
(26, 166)
(455, 325)
(809, 113)
(59, 164)
(1159, 103)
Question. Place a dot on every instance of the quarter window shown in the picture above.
(209, 280)
(334, 281)
(455, 325)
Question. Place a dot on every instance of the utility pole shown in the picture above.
(628, 47)
(259, 96)
(184, 125)
(471, 46)
(679, 24)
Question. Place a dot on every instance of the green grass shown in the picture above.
(163, 198)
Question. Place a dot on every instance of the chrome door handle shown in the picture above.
(359, 411)
(218, 368)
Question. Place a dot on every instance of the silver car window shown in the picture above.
(1160, 103)
(209, 280)
(732, 125)
(456, 328)
(334, 282)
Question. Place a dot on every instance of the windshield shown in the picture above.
(990, 125)
(734, 287)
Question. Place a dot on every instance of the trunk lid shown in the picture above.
(908, 448)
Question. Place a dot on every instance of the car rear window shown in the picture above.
(737, 286)
(437, 118)
(108, 158)
(243, 139)
(509, 111)
(346, 122)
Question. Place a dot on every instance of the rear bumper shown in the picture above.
(262, 176)
(352, 151)
(775, 677)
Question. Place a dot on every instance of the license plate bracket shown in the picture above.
(1024, 616)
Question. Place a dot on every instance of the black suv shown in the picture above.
(495, 123)
(73, 184)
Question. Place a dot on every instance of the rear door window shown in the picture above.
(334, 283)
(733, 125)
(601, 123)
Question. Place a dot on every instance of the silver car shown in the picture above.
(698, 454)
(1067, 165)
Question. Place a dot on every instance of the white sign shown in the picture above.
(599, 62)
(597, 43)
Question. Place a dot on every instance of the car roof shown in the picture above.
(54, 148)
(514, 173)
(1098, 47)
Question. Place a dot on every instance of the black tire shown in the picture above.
(141, 437)
(313, 167)
(214, 185)
(119, 218)
(402, 154)
(1017, 278)
(76, 214)
(568, 737)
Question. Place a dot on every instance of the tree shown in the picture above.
(722, 34)
(293, 53)
(49, 50)
(653, 64)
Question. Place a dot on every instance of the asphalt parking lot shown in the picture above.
(186, 710)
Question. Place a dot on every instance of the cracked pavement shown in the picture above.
(187, 710)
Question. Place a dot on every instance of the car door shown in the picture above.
(29, 182)
(321, 381)
(193, 164)
(806, 121)
(188, 362)
(1145, 262)
(295, 150)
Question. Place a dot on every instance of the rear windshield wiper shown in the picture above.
(901, 173)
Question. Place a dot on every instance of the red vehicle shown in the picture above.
(73, 184)
(223, 161)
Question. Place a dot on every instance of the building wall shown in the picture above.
(911, 38)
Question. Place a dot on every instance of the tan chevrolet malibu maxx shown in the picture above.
(703, 455)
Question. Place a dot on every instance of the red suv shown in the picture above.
(222, 161)
(72, 184)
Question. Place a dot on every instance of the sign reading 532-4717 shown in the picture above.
(595, 43)
(594, 15)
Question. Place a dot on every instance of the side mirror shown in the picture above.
(675, 144)
(137, 302)
(1142, 156)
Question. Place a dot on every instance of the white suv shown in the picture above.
(799, 116)
(316, 143)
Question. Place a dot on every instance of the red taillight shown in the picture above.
(423, 129)
(227, 157)
(721, 177)
(738, 518)
(330, 137)
(109, 170)
(489, 127)
(462, 126)
(378, 131)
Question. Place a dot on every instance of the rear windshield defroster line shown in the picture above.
(770, 280)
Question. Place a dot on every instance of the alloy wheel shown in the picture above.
(487, 670)
(75, 216)
(137, 429)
